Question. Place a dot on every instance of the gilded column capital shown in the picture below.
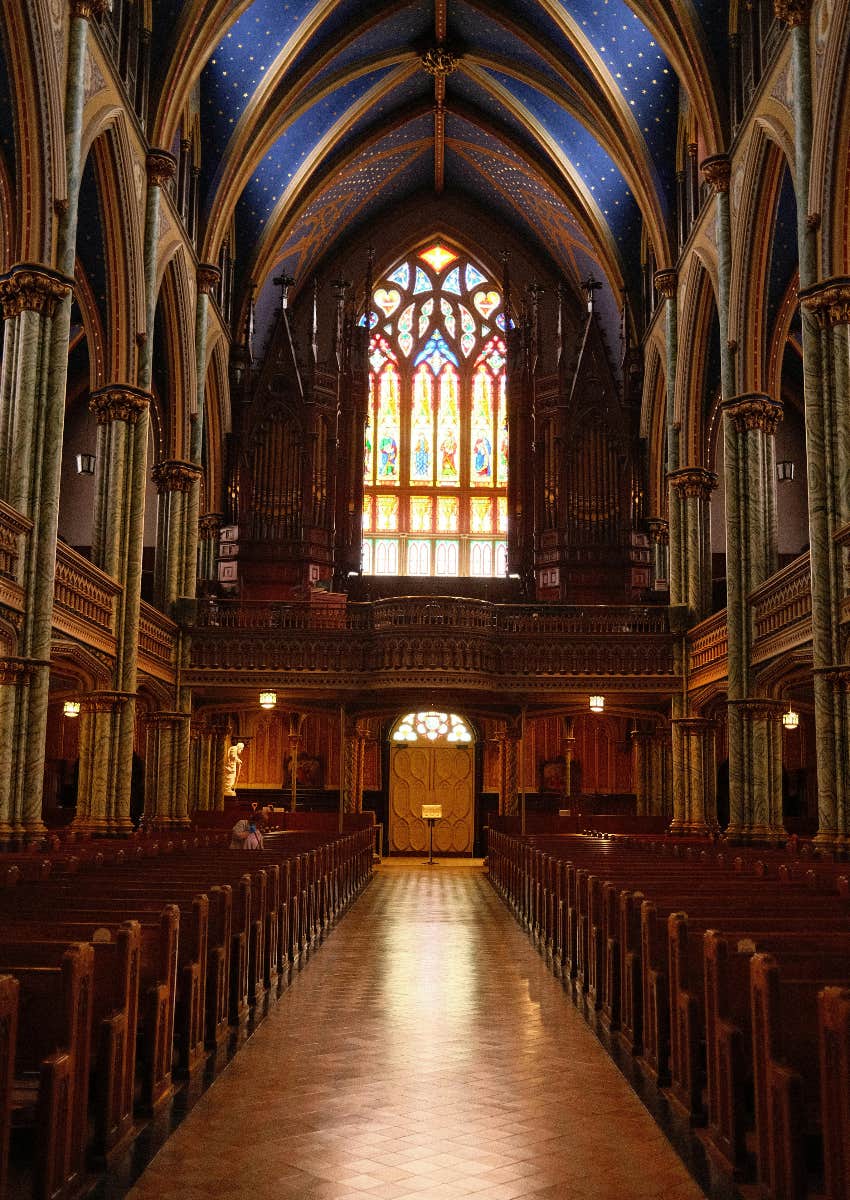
(161, 167)
(209, 525)
(828, 301)
(86, 9)
(30, 287)
(694, 725)
(753, 410)
(118, 402)
(792, 12)
(659, 531)
(164, 719)
(666, 282)
(209, 277)
(175, 476)
(759, 708)
(694, 482)
(717, 171)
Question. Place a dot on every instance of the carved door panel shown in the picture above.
(431, 775)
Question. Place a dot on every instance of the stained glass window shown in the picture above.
(436, 429)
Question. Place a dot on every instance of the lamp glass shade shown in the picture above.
(71, 708)
(85, 464)
(268, 699)
(791, 719)
(785, 471)
(597, 704)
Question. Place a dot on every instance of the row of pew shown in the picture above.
(720, 981)
(124, 967)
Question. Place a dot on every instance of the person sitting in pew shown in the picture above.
(247, 833)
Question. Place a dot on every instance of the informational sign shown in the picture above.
(432, 812)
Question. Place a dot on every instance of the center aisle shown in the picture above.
(425, 1052)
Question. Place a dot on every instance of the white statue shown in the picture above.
(232, 767)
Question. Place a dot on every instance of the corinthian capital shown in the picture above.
(754, 411)
(209, 277)
(828, 301)
(86, 9)
(717, 171)
(161, 167)
(118, 402)
(175, 476)
(695, 482)
(29, 287)
(666, 282)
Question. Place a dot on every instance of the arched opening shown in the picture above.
(432, 761)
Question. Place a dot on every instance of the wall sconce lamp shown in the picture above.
(790, 719)
(597, 704)
(785, 471)
(268, 699)
(71, 708)
(85, 464)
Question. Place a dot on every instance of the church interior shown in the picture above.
(425, 430)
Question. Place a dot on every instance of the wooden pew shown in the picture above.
(834, 1039)
(52, 1063)
(9, 988)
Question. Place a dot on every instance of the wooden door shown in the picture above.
(431, 775)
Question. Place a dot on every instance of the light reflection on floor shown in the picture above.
(424, 1053)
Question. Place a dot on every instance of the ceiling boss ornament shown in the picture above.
(440, 61)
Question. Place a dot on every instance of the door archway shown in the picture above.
(432, 761)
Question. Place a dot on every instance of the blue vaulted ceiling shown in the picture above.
(561, 116)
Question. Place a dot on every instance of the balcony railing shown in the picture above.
(406, 639)
(708, 648)
(14, 528)
(84, 599)
(157, 638)
(782, 610)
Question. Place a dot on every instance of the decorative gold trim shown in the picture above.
(717, 171)
(100, 702)
(828, 301)
(694, 482)
(439, 61)
(20, 670)
(209, 277)
(793, 12)
(29, 287)
(667, 282)
(209, 525)
(175, 476)
(754, 410)
(161, 167)
(118, 402)
(86, 9)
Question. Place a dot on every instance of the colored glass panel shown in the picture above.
(436, 353)
(388, 426)
(481, 429)
(421, 514)
(481, 514)
(373, 320)
(388, 301)
(448, 430)
(446, 558)
(448, 514)
(437, 257)
(386, 556)
(423, 283)
(366, 557)
(425, 316)
(369, 439)
(501, 558)
(387, 513)
(503, 514)
(448, 317)
(451, 283)
(486, 303)
(401, 276)
(367, 514)
(503, 432)
(405, 330)
(418, 558)
(473, 277)
(405, 341)
(422, 427)
(481, 559)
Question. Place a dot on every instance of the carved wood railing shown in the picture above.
(14, 529)
(708, 649)
(782, 610)
(157, 641)
(84, 600)
(413, 640)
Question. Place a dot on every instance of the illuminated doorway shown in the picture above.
(432, 761)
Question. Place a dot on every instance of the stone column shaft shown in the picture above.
(98, 747)
(166, 770)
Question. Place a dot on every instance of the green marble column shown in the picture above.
(209, 532)
(166, 770)
(659, 540)
(35, 303)
(176, 481)
(699, 775)
(690, 490)
(98, 749)
(644, 784)
(568, 746)
(826, 355)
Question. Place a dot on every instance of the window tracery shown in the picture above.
(436, 444)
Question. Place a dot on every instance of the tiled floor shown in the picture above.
(425, 1052)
